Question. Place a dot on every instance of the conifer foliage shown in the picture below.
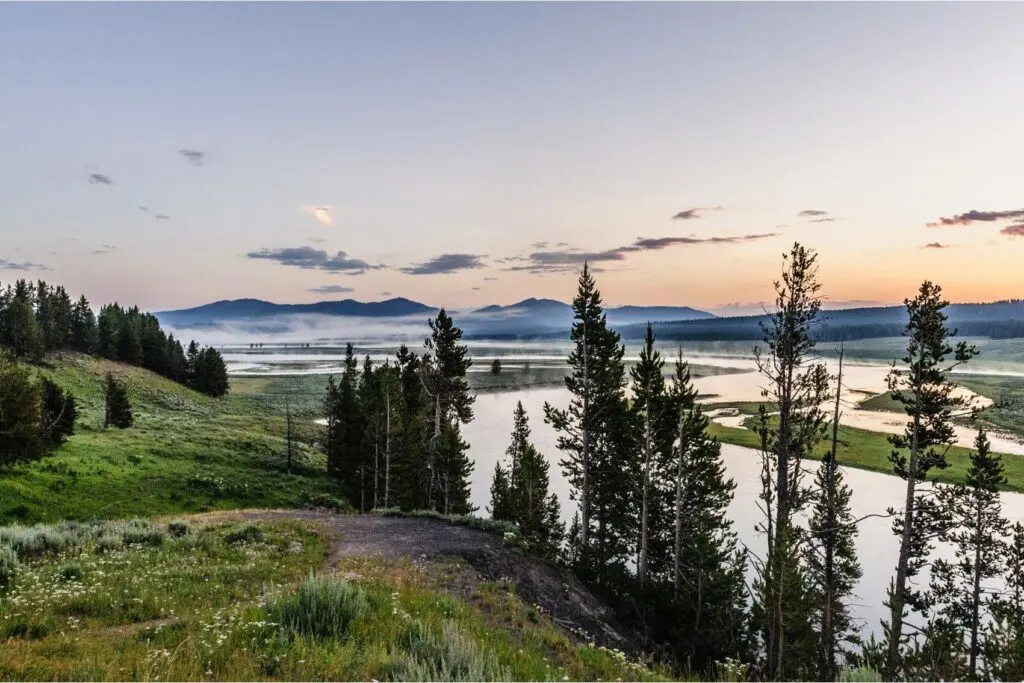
(117, 407)
(519, 491)
(38, 318)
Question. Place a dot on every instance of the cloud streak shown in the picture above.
(24, 265)
(309, 258)
(331, 289)
(100, 179)
(694, 213)
(1015, 230)
(193, 156)
(975, 216)
(812, 213)
(936, 245)
(445, 263)
(566, 260)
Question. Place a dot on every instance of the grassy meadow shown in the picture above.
(191, 600)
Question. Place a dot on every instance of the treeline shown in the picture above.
(37, 318)
(393, 435)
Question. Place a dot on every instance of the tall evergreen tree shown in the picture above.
(832, 554)
(20, 328)
(58, 414)
(594, 437)
(21, 435)
(345, 425)
(797, 384)
(118, 409)
(705, 606)
(963, 589)
(410, 466)
(928, 397)
(519, 491)
(84, 334)
(649, 419)
(1004, 640)
(443, 375)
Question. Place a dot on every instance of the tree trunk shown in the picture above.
(387, 446)
(828, 636)
(678, 549)
(585, 456)
(900, 589)
(644, 511)
(976, 598)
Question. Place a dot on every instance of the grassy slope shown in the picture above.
(201, 607)
(186, 452)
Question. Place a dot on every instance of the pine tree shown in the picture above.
(21, 329)
(20, 429)
(927, 396)
(519, 491)
(345, 430)
(496, 366)
(648, 412)
(798, 385)
(84, 334)
(594, 436)
(118, 409)
(963, 588)
(191, 364)
(211, 374)
(1004, 640)
(443, 375)
(129, 346)
(58, 414)
(410, 466)
(501, 501)
(832, 554)
(704, 571)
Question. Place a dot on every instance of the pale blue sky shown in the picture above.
(480, 129)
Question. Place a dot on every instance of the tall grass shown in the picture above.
(444, 655)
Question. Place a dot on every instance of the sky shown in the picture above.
(463, 154)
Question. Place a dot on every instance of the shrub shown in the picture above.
(494, 526)
(178, 528)
(321, 608)
(327, 501)
(139, 531)
(444, 656)
(37, 540)
(72, 571)
(862, 674)
(108, 542)
(8, 565)
(250, 533)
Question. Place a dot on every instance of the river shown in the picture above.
(488, 436)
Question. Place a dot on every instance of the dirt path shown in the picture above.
(568, 602)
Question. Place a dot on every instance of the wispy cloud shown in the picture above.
(812, 213)
(383, 293)
(23, 265)
(315, 259)
(331, 289)
(475, 289)
(100, 179)
(936, 245)
(193, 156)
(322, 214)
(1015, 230)
(975, 216)
(564, 260)
(490, 279)
(317, 240)
(825, 220)
(104, 249)
(162, 217)
(144, 209)
(445, 263)
(691, 214)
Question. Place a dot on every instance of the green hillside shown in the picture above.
(187, 451)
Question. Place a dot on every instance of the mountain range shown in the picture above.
(534, 315)
(549, 318)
